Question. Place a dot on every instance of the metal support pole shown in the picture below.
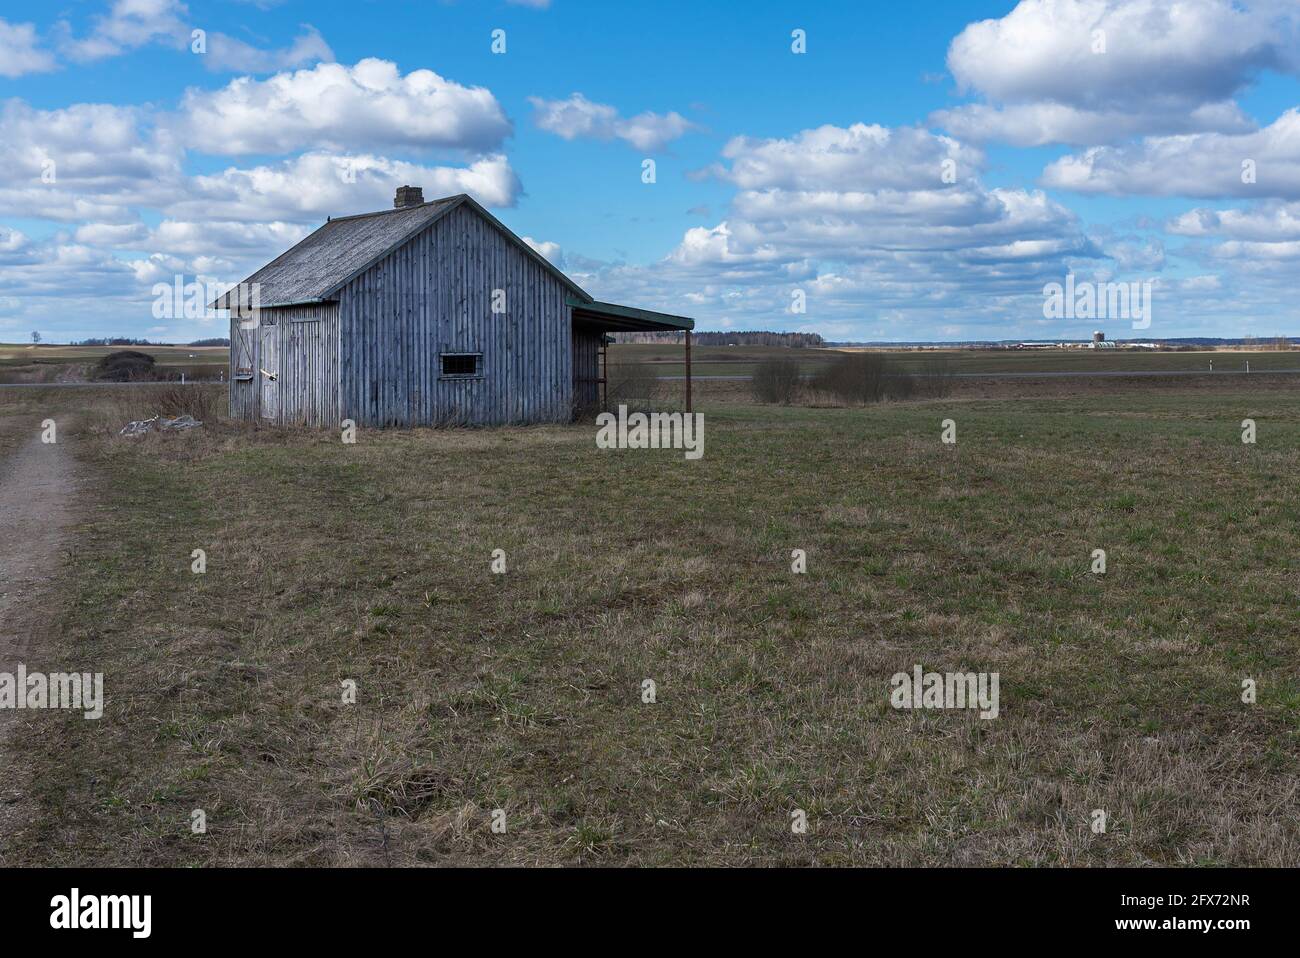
(604, 372)
(688, 371)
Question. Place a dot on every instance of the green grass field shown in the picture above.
(523, 691)
(50, 363)
(27, 363)
(668, 360)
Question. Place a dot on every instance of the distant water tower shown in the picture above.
(1098, 336)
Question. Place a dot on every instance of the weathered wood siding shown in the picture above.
(309, 365)
(307, 355)
(433, 295)
(586, 367)
(243, 354)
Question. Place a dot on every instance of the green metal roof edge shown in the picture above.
(632, 312)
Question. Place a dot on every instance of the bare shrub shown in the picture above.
(853, 377)
(937, 375)
(173, 399)
(776, 380)
(635, 385)
(899, 383)
(125, 366)
(861, 378)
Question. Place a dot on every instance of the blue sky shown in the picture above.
(1102, 138)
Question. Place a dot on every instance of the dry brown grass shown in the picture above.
(522, 692)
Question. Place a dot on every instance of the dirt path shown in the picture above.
(37, 485)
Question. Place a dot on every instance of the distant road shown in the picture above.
(1056, 374)
(1080, 374)
(191, 382)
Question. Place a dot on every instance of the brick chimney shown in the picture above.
(408, 196)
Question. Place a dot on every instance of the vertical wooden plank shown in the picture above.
(434, 295)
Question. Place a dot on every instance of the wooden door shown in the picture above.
(270, 372)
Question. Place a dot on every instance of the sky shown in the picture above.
(869, 172)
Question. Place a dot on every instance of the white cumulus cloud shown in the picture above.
(1098, 71)
(867, 221)
(20, 51)
(547, 249)
(314, 185)
(858, 157)
(579, 117)
(1262, 164)
(228, 54)
(89, 161)
(130, 24)
(334, 106)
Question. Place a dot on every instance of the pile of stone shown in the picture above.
(141, 426)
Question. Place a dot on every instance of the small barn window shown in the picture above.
(461, 365)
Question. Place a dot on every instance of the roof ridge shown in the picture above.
(396, 209)
(316, 267)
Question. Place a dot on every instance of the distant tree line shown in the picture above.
(129, 341)
(745, 338)
(116, 341)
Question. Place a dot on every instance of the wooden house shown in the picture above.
(426, 314)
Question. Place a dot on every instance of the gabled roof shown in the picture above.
(315, 269)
